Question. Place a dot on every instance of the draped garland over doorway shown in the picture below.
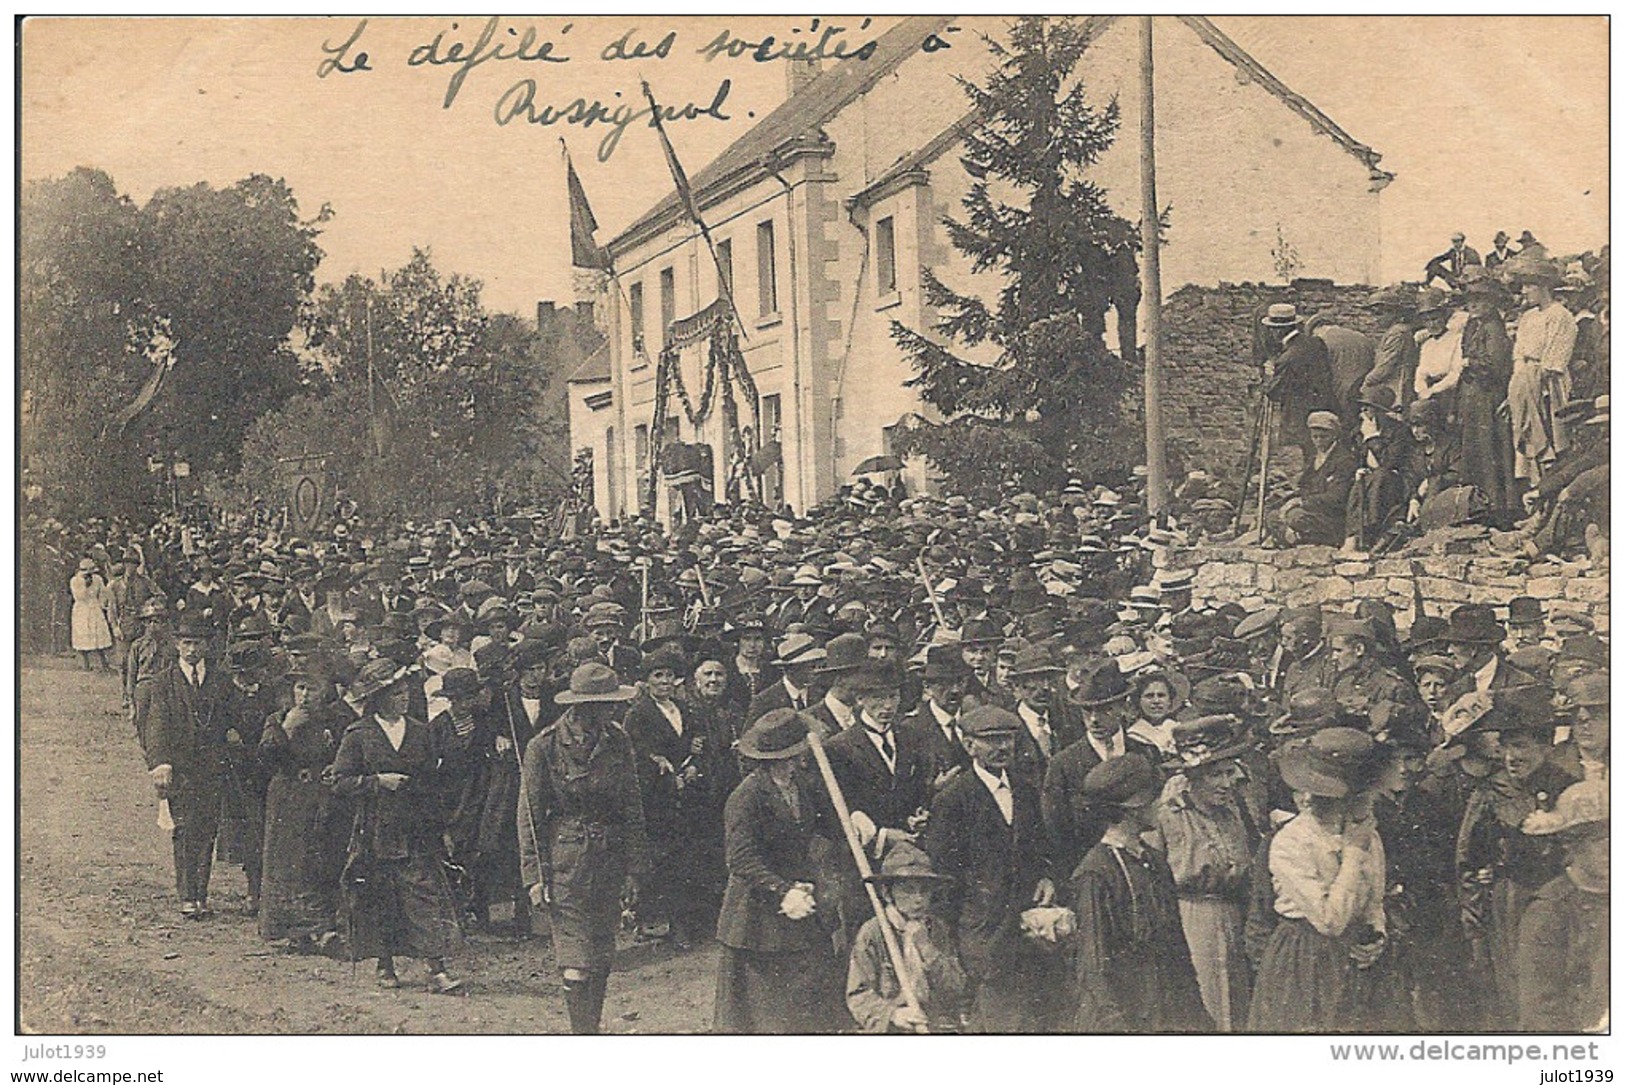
(724, 369)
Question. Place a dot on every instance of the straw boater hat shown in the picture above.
(1281, 315)
(593, 683)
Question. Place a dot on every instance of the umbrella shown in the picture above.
(878, 463)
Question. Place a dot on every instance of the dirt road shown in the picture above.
(104, 949)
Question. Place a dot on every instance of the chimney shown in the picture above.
(544, 315)
(801, 72)
(584, 313)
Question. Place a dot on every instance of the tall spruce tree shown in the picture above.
(1050, 400)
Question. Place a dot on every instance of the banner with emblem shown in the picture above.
(308, 495)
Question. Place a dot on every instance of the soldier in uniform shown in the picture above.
(149, 654)
(1308, 661)
(1367, 689)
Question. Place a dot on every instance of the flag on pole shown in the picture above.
(584, 248)
(685, 192)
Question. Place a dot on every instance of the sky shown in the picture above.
(1490, 123)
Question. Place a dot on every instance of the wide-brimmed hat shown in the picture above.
(376, 677)
(1474, 623)
(844, 653)
(904, 862)
(1392, 297)
(460, 682)
(1431, 300)
(1310, 709)
(1381, 398)
(798, 648)
(1582, 803)
(248, 656)
(1529, 268)
(874, 677)
(1034, 661)
(1103, 685)
(777, 735)
(193, 628)
(594, 682)
(980, 632)
(1204, 741)
(1281, 315)
(944, 661)
(1304, 768)
(1526, 709)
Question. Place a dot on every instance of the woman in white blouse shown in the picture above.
(1328, 868)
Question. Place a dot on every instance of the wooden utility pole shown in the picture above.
(1151, 284)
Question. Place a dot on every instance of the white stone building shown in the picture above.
(829, 208)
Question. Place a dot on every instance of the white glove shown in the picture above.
(864, 826)
(161, 775)
(798, 903)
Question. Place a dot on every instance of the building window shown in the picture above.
(640, 455)
(767, 282)
(634, 305)
(725, 271)
(773, 475)
(885, 257)
(668, 302)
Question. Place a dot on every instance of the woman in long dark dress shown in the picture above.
(581, 838)
(300, 879)
(394, 893)
(1486, 434)
(777, 972)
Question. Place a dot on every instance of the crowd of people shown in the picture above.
(1484, 398)
(916, 765)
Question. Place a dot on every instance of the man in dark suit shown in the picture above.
(184, 743)
(1475, 637)
(384, 595)
(936, 721)
(1316, 513)
(515, 579)
(1050, 723)
(986, 831)
(1298, 380)
(1450, 264)
(1073, 823)
(797, 659)
(882, 769)
(844, 657)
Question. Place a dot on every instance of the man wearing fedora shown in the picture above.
(797, 659)
(1450, 265)
(1050, 723)
(184, 742)
(1074, 824)
(986, 832)
(936, 721)
(1475, 639)
(1298, 378)
(844, 657)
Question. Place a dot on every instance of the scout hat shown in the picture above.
(904, 862)
(593, 682)
(779, 734)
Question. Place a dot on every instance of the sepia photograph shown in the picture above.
(813, 526)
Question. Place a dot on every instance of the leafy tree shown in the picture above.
(1050, 399)
(209, 282)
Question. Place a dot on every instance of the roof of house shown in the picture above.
(1219, 42)
(801, 114)
(594, 368)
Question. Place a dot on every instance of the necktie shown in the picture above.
(1043, 733)
(888, 748)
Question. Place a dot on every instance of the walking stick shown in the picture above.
(1247, 469)
(1264, 464)
(643, 600)
(705, 594)
(930, 592)
(905, 980)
